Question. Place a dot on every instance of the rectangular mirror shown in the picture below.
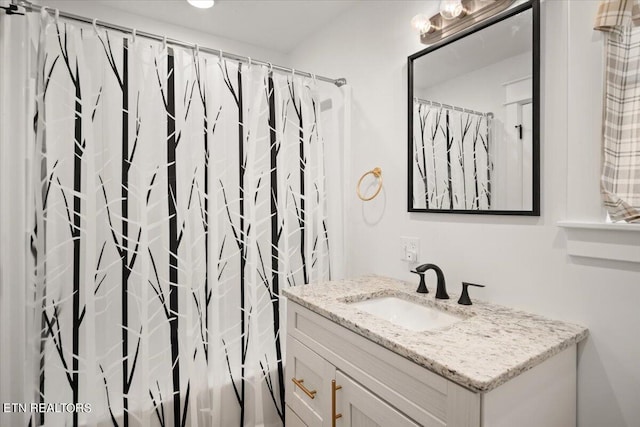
(474, 119)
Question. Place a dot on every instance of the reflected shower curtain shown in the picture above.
(175, 195)
(452, 163)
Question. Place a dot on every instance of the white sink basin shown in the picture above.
(409, 315)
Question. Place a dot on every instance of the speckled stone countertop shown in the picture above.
(491, 345)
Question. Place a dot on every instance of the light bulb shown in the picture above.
(421, 23)
(201, 4)
(450, 9)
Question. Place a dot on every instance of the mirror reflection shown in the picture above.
(472, 138)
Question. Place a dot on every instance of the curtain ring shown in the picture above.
(164, 43)
(377, 173)
(95, 27)
(56, 15)
(133, 35)
(220, 56)
(249, 61)
(270, 67)
(197, 50)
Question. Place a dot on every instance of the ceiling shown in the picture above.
(508, 38)
(273, 24)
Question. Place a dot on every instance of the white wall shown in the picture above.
(90, 9)
(481, 89)
(523, 261)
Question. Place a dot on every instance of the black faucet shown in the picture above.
(464, 297)
(441, 292)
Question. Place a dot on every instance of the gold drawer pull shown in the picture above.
(299, 383)
(334, 416)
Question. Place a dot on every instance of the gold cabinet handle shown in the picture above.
(299, 383)
(334, 416)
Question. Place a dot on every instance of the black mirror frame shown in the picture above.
(534, 5)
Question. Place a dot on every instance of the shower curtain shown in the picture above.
(174, 195)
(452, 163)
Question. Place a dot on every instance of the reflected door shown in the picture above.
(527, 155)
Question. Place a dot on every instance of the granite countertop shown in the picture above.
(491, 345)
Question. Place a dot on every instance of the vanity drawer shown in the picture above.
(308, 384)
(423, 396)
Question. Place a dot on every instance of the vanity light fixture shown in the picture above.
(455, 16)
(201, 4)
(422, 24)
(451, 9)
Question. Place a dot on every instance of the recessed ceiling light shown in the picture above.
(201, 4)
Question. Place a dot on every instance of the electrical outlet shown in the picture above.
(410, 249)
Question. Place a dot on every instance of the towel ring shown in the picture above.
(376, 172)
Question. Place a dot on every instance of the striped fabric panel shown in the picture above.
(620, 179)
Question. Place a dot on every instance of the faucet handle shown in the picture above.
(422, 287)
(464, 298)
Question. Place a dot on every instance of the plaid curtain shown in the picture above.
(620, 180)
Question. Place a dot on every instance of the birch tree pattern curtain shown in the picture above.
(452, 162)
(175, 194)
(620, 181)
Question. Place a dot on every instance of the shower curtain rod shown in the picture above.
(452, 107)
(30, 7)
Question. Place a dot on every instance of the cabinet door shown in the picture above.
(361, 408)
(292, 419)
(308, 384)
